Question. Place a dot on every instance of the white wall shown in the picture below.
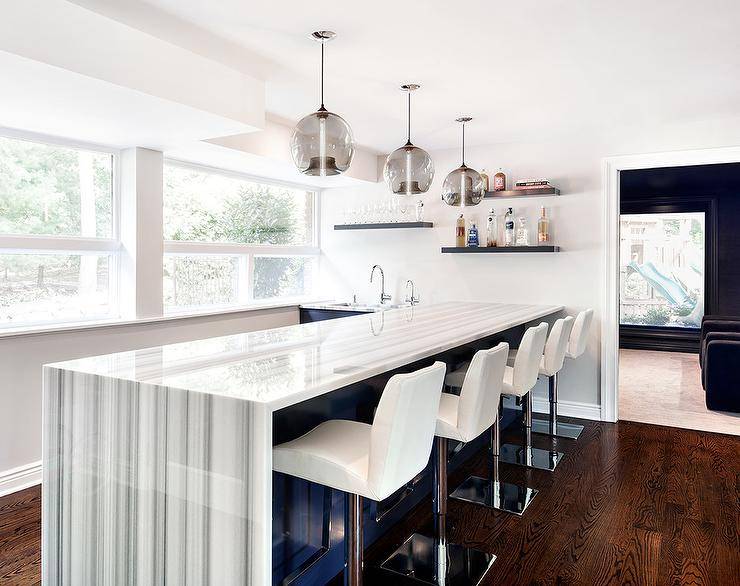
(570, 278)
(21, 358)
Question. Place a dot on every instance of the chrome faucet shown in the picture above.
(412, 299)
(383, 296)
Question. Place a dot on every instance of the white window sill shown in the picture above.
(192, 314)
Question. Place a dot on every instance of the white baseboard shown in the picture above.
(19, 478)
(569, 409)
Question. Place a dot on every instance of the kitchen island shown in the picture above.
(158, 462)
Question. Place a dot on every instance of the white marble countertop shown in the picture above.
(284, 366)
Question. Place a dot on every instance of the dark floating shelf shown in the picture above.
(384, 226)
(552, 191)
(497, 249)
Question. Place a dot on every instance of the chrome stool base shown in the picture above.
(530, 457)
(502, 496)
(566, 430)
(430, 561)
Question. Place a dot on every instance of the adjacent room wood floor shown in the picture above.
(630, 504)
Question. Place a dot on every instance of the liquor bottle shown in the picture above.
(491, 229)
(509, 227)
(486, 181)
(460, 231)
(419, 211)
(522, 232)
(473, 240)
(499, 180)
(543, 229)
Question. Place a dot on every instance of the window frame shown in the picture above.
(245, 252)
(672, 339)
(73, 245)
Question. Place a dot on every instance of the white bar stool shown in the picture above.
(575, 348)
(548, 362)
(461, 418)
(371, 461)
(491, 492)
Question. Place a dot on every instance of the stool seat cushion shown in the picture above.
(335, 454)
(447, 418)
(456, 378)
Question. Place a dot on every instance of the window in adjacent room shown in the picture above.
(231, 239)
(662, 269)
(58, 235)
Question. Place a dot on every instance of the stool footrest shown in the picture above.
(502, 496)
(530, 457)
(425, 559)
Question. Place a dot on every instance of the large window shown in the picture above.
(231, 240)
(58, 234)
(662, 269)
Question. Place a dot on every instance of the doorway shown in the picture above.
(722, 165)
(669, 235)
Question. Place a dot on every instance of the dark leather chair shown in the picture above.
(719, 357)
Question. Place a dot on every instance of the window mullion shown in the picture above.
(243, 278)
(250, 277)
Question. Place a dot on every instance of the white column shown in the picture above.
(141, 233)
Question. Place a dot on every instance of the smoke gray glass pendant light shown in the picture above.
(463, 186)
(409, 170)
(322, 142)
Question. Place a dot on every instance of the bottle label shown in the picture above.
(499, 182)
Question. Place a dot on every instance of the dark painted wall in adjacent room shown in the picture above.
(721, 182)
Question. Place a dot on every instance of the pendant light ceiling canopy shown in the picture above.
(409, 170)
(322, 142)
(464, 186)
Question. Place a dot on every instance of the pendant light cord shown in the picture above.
(409, 120)
(463, 144)
(322, 76)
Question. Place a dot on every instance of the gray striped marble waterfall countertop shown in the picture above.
(284, 366)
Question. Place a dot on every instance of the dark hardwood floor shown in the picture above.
(20, 538)
(630, 504)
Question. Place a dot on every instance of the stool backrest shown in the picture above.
(403, 429)
(557, 345)
(528, 356)
(481, 391)
(579, 335)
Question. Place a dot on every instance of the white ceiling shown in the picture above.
(534, 69)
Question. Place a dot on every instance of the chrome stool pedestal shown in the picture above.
(432, 560)
(526, 455)
(491, 492)
(552, 426)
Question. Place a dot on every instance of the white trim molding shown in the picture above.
(58, 244)
(184, 247)
(569, 409)
(19, 478)
(611, 167)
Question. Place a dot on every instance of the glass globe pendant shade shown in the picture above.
(463, 187)
(322, 144)
(409, 170)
